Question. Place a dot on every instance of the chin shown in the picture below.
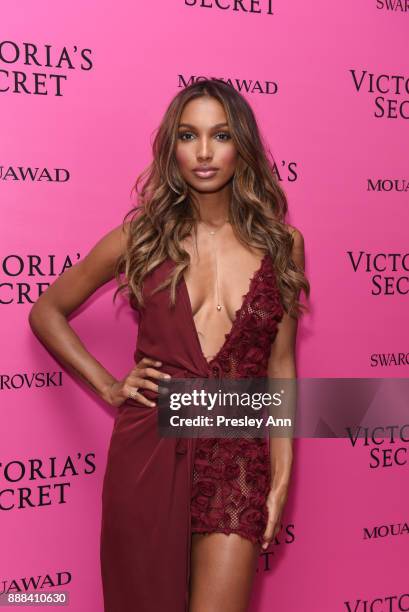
(208, 188)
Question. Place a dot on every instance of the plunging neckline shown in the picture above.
(237, 314)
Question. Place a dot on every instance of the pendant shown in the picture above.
(219, 307)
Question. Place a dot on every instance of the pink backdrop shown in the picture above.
(76, 130)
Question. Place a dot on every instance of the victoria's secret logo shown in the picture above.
(389, 271)
(396, 602)
(35, 482)
(25, 277)
(283, 537)
(257, 7)
(28, 68)
(393, 89)
(388, 445)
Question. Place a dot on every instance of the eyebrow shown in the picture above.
(189, 125)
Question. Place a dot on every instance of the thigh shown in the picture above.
(222, 572)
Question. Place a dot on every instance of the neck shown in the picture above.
(213, 208)
(214, 223)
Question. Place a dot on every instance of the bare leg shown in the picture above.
(222, 572)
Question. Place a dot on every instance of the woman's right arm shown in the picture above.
(49, 316)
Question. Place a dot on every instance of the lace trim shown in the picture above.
(228, 531)
(247, 349)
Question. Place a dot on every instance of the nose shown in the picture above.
(204, 149)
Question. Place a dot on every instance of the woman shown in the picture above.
(215, 275)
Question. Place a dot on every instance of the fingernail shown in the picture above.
(167, 375)
(158, 363)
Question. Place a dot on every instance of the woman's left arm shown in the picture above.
(282, 365)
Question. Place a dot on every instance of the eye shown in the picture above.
(226, 134)
(182, 134)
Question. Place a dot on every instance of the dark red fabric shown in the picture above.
(156, 490)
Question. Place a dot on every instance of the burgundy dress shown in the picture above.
(158, 490)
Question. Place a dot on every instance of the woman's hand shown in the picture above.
(275, 503)
(119, 391)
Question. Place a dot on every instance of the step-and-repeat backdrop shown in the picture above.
(83, 85)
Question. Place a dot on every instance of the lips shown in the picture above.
(205, 172)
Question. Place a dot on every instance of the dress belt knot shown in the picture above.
(216, 370)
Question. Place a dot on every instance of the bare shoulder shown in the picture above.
(108, 248)
(298, 252)
(116, 239)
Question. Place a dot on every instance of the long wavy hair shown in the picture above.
(166, 209)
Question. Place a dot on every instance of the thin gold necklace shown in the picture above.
(213, 233)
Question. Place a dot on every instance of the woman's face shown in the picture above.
(205, 152)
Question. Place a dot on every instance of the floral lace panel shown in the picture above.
(230, 483)
(231, 477)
